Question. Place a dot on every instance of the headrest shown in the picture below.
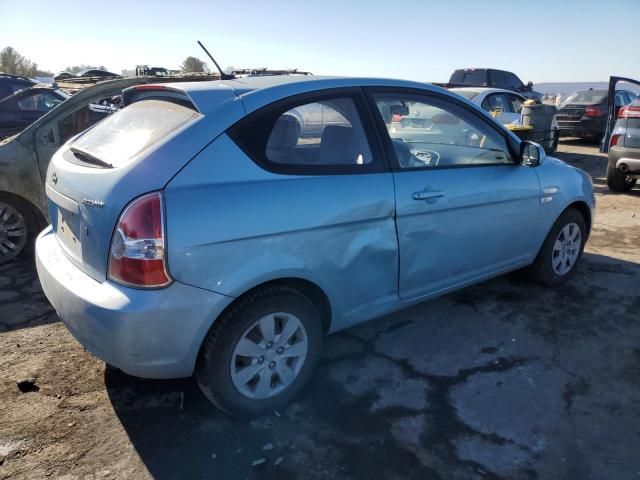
(285, 133)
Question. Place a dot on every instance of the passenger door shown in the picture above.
(465, 208)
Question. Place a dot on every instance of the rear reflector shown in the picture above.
(629, 112)
(137, 255)
(614, 140)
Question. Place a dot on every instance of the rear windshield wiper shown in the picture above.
(86, 157)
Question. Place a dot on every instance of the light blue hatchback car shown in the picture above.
(223, 228)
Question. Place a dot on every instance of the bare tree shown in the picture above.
(193, 64)
(12, 62)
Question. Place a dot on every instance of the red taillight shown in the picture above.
(614, 140)
(137, 253)
(592, 111)
(629, 112)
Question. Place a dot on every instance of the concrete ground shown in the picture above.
(505, 379)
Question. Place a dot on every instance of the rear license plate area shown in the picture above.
(68, 232)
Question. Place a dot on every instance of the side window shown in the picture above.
(619, 99)
(497, 79)
(429, 133)
(516, 103)
(512, 82)
(323, 135)
(496, 102)
(81, 119)
(39, 102)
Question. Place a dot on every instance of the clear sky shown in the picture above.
(540, 40)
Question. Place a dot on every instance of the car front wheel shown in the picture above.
(261, 352)
(561, 250)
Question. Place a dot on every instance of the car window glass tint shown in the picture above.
(327, 132)
(497, 79)
(40, 102)
(516, 103)
(429, 133)
(496, 102)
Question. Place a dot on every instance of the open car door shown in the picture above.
(612, 113)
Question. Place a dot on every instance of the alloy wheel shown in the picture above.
(269, 355)
(566, 249)
(13, 232)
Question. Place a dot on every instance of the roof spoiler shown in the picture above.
(156, 92)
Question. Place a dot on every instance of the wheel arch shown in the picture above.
(584, 209)
(308, 288)
(31, 208)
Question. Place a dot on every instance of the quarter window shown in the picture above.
(324, 135)
(431, 133)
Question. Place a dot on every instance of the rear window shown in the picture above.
(588, 97)
(127, 133)
(470, 77)
(466, 94)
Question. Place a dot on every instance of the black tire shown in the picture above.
(618, 181)
(32, 225)
(541, 271)
(213, 370)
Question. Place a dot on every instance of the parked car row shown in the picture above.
(87, 73)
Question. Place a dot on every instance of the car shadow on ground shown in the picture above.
(22, 302)
(505, 379)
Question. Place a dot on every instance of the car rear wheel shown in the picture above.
(260, 353)
(16, 227)
(561, 250)
(618, 181)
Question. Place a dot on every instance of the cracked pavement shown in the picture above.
(505, 379)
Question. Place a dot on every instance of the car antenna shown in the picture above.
(223, 76)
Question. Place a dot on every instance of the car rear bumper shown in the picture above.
(628, 156)
(146, 333)
(586, 127)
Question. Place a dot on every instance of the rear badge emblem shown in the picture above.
(54, 178)
(93, 203)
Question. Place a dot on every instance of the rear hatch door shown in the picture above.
(94, 176)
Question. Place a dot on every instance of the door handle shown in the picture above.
(427, 195)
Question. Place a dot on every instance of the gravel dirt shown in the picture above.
(500, 380)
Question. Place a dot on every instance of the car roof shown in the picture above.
(260, 90)
(483, 90)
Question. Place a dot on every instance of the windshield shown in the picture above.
(125, 134)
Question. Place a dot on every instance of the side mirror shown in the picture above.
(531, 154)
(530, 84)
